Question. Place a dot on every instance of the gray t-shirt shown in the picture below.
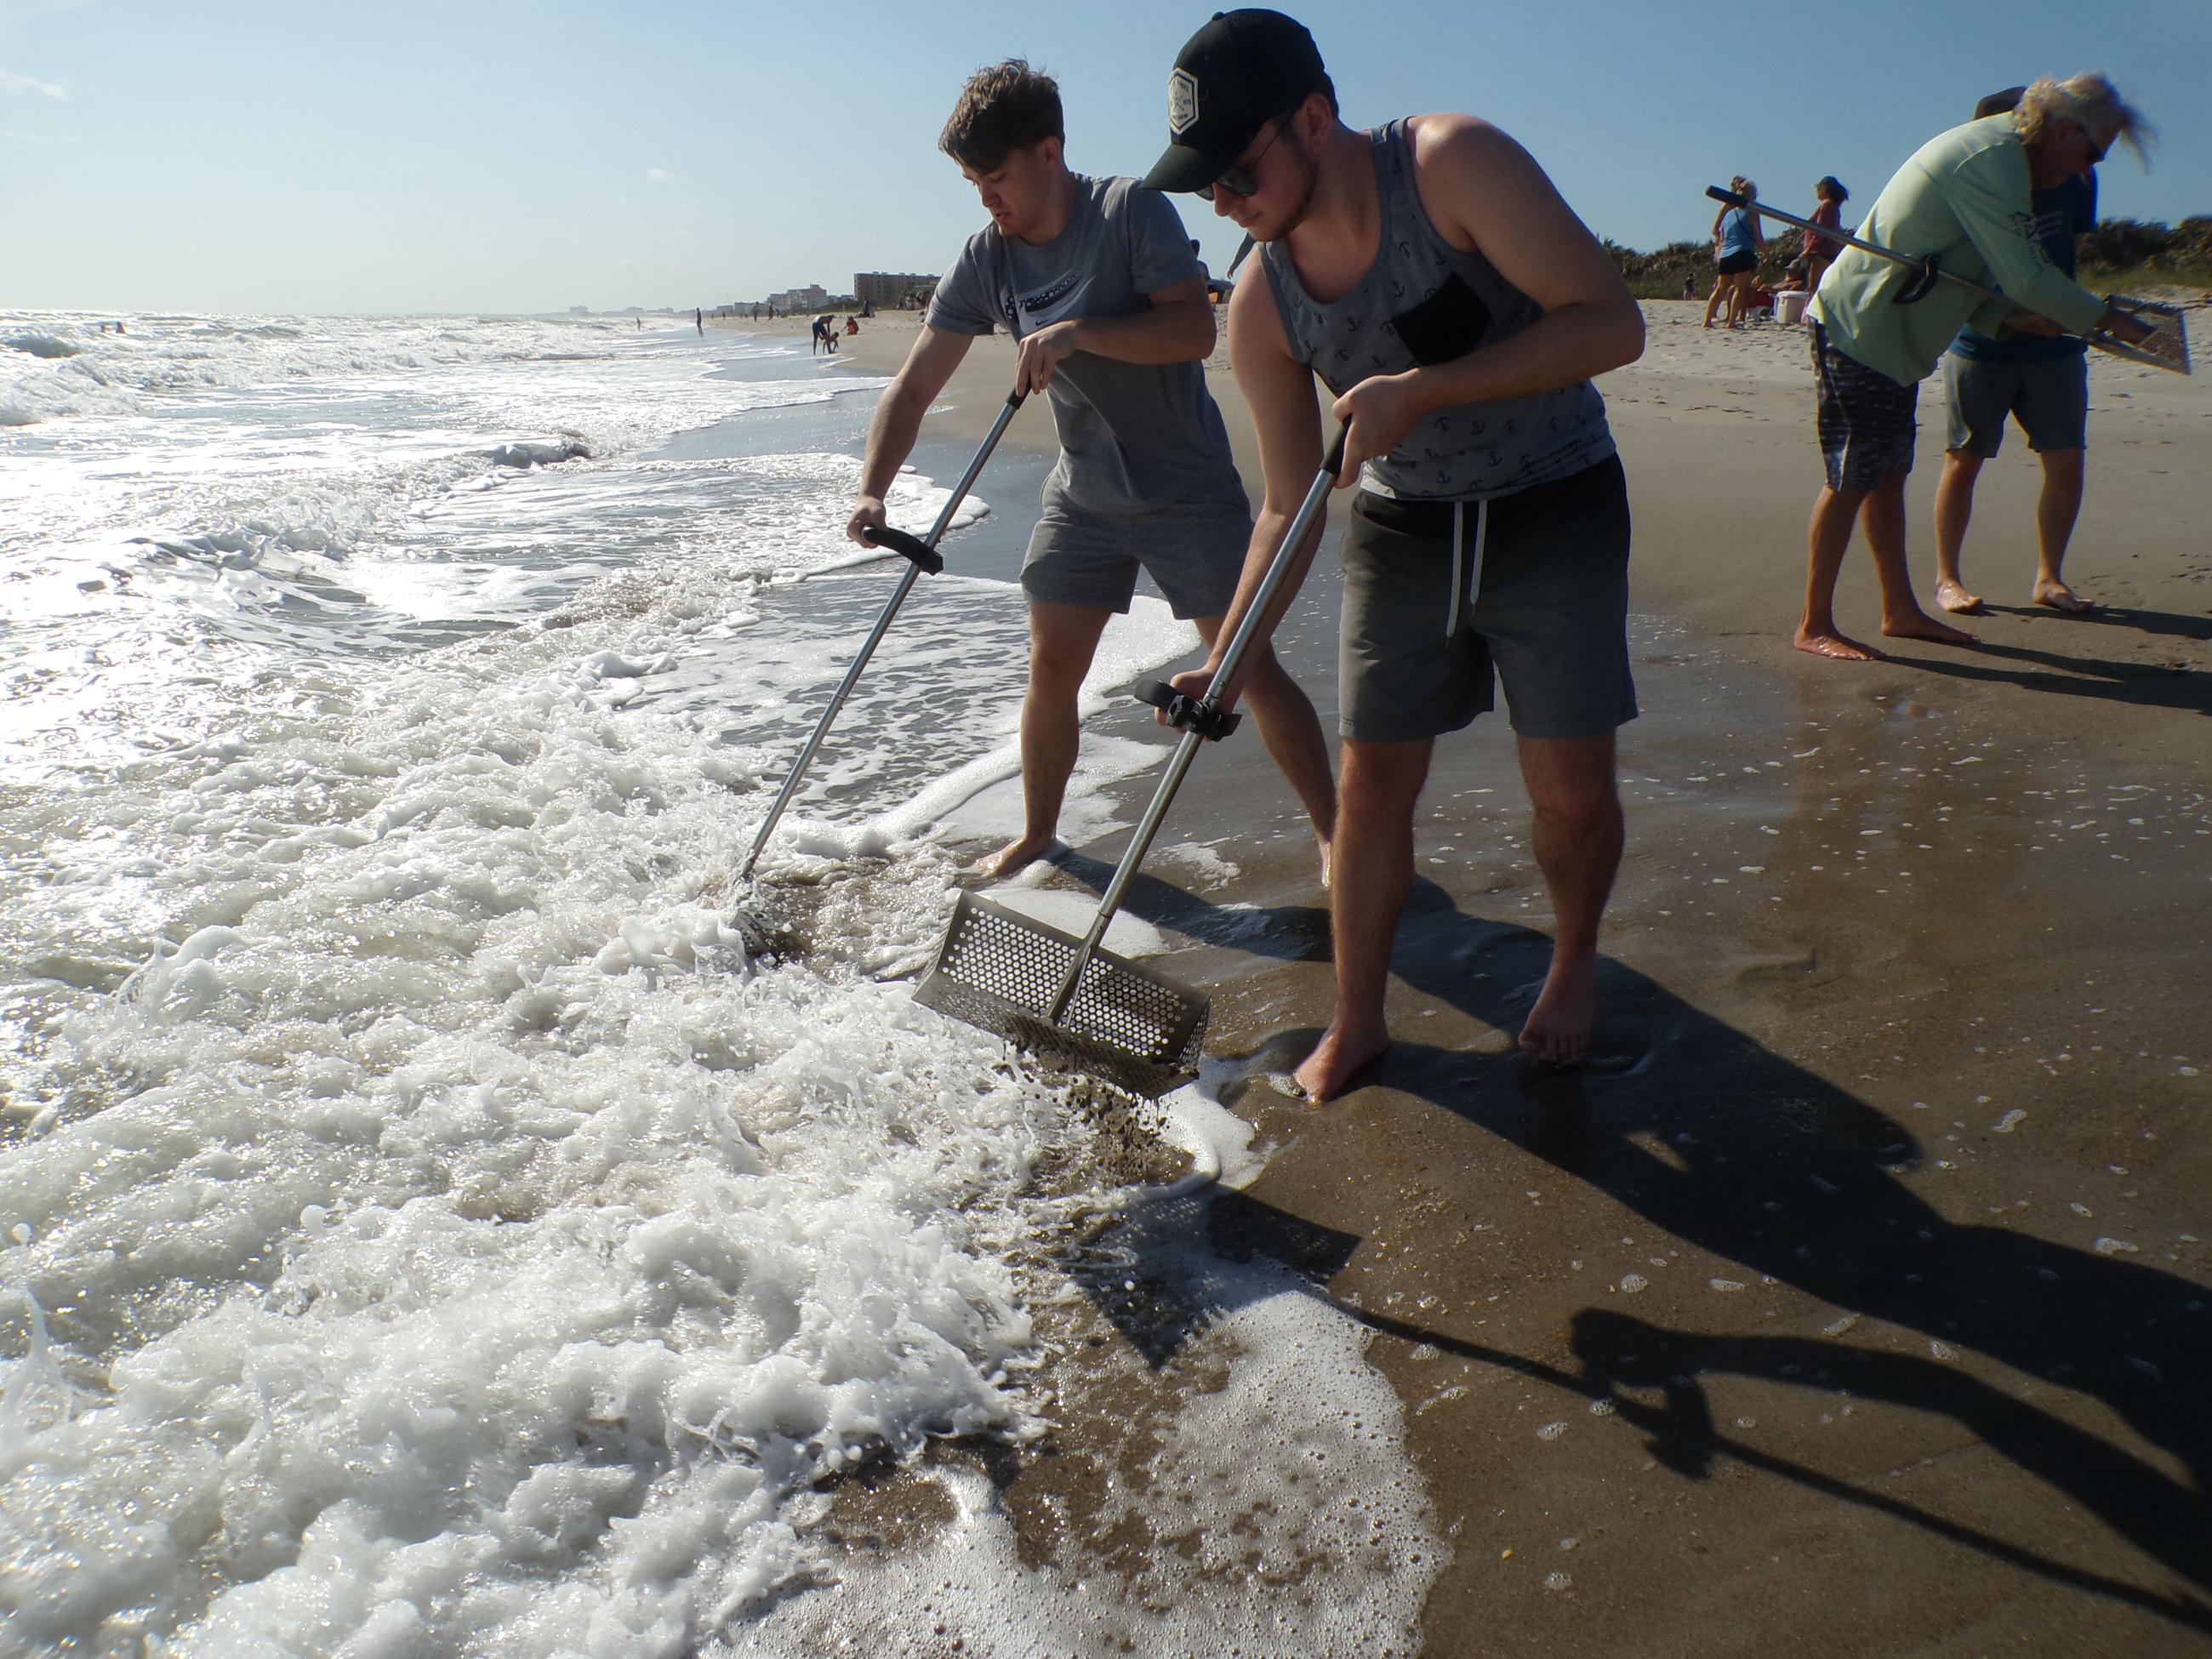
(1133, 437)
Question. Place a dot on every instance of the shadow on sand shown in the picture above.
(1770, 1166)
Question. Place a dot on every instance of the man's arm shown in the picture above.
(1985, 194)
(1177, 327)
(1279, 390)
(898, 421)
(1486, 194)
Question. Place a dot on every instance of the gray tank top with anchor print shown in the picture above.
(1423, 301)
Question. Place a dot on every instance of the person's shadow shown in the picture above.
(1768, 1165)
(2146, 685)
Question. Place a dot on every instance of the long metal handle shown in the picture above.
(1731, 198)
(875, 636)
(1279, 568)
(1109, 901)
(2097, 337)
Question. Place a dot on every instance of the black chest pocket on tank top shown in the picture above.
(1447, 324)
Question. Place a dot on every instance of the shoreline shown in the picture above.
(1897, 1147)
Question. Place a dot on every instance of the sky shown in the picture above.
(230, 156)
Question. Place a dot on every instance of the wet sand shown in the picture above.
(1853, 1297)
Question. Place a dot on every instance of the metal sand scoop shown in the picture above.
(2167, 348)
(1063, 997)
(920, 556)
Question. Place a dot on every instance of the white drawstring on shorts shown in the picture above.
(1463, 580)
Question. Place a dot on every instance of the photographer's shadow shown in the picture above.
(1733, 1149)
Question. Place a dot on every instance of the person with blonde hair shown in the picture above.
(1737, 245)
(1967, 198)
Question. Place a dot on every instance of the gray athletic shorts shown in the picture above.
(1551, 618)
(2051, 398)
(1194, 554)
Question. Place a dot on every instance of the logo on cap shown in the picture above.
(1182, 102)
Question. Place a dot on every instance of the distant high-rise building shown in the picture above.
(888, 289)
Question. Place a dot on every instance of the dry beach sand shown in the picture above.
(1853, 1297)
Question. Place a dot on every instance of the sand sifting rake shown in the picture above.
(1064, 998)
(922, 555)
(2165, 346)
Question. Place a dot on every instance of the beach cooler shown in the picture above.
(1789, 306)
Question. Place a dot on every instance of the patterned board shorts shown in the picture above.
(1866, 420)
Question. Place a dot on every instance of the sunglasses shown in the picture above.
(1238, 180)
(2095, 150)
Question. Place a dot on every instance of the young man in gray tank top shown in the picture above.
(1096, 281)
(1432, 276)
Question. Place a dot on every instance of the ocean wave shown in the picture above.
(41, 345)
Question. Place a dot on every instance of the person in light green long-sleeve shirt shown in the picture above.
(1965, 196)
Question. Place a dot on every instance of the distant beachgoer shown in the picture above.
(1828, 200)
(1689, 288)
(1966, 197)
(817, 331)
(2039, 381)
(1093, 278)
(1489, 534)
(698, 320)
(1737, 240)
(852, 326)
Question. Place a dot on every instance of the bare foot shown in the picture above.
(1955, 598)
(1015, 854)
(1329, 1067)
(2059, 596)
(1832, 644)
(1919, 625)
(1559, 1026)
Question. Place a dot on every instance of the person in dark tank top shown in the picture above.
(1430, 274)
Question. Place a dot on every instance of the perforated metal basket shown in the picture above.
(1000, 970)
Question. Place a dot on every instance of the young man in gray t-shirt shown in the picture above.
(1095, 280)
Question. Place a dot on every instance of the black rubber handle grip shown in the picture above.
(1187, 713)
(1014, 398)
(1335, 464)
(911, 547)
(1727, 196)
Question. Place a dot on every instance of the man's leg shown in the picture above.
(1292, 731)
(2056, 510)
(1374, 873)
(1883, 515)
(1828, 537)
(1577, 840)
(1954, 509)
(1062, 639)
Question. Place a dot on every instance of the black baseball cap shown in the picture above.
(1230, 79)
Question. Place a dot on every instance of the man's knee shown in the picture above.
(1572, 782)
(1382, 778)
